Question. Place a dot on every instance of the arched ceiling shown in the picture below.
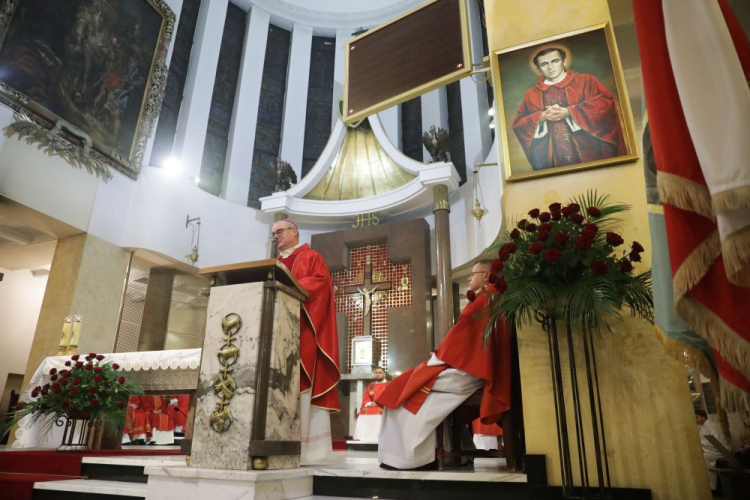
(330, 15)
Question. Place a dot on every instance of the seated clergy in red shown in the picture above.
(486, 436)
(162, 422)
(137, 424)
(418, 400)
(178, 408)
(319, 347)
(370, 414)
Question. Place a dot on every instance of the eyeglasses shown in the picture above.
(278, 232)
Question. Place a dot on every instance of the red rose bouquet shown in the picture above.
(570, 263)
(87, 385)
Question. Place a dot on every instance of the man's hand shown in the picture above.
(554, 113)
(371, 403)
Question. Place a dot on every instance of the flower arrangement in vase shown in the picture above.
(88, 388)
(568, 263)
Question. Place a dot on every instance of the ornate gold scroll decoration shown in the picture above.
(225, 387)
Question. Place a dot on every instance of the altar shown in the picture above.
(162, 371)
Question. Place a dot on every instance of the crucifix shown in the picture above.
(367, 294)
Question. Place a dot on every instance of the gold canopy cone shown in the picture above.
(361, 168)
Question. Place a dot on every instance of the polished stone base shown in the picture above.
(191, 483)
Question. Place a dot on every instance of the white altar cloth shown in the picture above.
(30, 436)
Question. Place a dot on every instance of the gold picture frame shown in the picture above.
(86, 77)
(590, 89)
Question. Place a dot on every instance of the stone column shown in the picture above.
(156, 309)
(245, 116)
(295, 104)
(192, 124)
(443, 262)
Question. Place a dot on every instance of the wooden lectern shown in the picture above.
(247, 411)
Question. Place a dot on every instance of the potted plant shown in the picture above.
(568, 264)
(88, 391)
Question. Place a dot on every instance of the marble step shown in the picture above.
(125, 469)
(89, 489)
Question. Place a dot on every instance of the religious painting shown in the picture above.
(93, 69)
(563, 105)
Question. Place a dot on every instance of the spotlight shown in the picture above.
(492, 124)
(491, 111)
(172, 164)
(196, 180)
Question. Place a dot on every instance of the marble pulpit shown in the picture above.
(247, 411)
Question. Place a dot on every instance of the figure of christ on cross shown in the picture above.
(367, 294)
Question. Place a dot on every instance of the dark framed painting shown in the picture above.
(562, 105)
(92, 70)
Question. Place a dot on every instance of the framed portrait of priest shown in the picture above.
(91, 71)
(562, 105)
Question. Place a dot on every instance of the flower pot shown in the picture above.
(101, 439)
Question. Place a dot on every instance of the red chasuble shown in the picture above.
(374, 390)
(319, 348)
(463, 349)
(591, 106)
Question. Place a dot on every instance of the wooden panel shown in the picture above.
(411, 55)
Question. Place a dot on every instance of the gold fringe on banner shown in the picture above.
(735, 249)
(733, 398)
(729, 343)
(696, 265)
(731, 199)
(685, 194)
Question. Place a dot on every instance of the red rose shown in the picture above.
(635, 257)
(582, 243)
(592, 227)
(497, 266)
(98, 378)
(115, 366)
(34, 394)
(577, 218)
(542, 235)
(79, 364)
(53, 371)
(552, 255)
(562, 238)
(544, 216)
(531, 227)
(121, 404)
(37, 388)
(521, 223)
(94, 402)
(68, 363)
(92, 354)
(97, 369)
(56, 389)
(534, 213)
(65, 373)
(588, 233)
(74, 390)
(65, 403)
(64, 381)
(515, 233)
(599, 268)
(469, 295)
(626, 266)
(19, 406)
(492, 278)
(76, 381)
(555, 207)
(536, 247)
(75, 357)
(573, 208)
(545, 227)
(93, 390)
(100, 357)
(614, 239)
(88, 367)
(556, 216)
(594, 212)
(501, 285)
(637, 248)
(506, 250)
(45, 392)
(122, 379)
(53, 378)
(46, 386)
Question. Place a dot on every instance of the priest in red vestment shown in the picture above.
(370, 414)
(418, 400)
(319, 351)
(567, 117)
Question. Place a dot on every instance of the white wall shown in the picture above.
(21, 297)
